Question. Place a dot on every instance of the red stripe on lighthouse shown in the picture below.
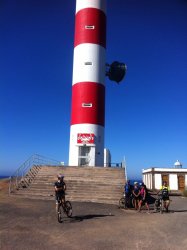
(88, 103)
(90, 27)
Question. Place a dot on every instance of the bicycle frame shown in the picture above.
(64, 207)
(159, 204)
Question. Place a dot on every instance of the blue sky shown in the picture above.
(146, 115)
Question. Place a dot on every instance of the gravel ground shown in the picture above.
(32, 224)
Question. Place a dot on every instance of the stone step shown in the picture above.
(96, 184)
(74, 195)
(77, 187)
(79, 182)
(83, 190)
(72, 199)
(93, 175)
(81, 173)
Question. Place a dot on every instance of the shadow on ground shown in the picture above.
(80, 218)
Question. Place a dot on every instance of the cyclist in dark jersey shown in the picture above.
(127, 192)
(60, 188)
(136, 194)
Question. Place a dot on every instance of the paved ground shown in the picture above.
(32, 224)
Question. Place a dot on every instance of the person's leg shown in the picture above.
(167, 202)
(147, 205)
(138, 200)
(135, 203)
(127, 200)
(57, 204)
(139, 205)
(63, 200)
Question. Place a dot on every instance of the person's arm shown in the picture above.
(144, 195)
(64, 186)
(55, 187)
(138, 193)
(58, 188)
(159, 190)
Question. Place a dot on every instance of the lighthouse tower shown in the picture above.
(88, 86)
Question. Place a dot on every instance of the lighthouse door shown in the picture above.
(84, 155)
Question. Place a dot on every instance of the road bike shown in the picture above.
(64, 208)
(126, 202)
(159, 204)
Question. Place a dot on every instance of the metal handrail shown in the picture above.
(34, 160)
(114, 164)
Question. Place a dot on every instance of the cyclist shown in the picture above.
(127, 192)
(60, 188)
(136, 194)
(165, 194)
(143, 198)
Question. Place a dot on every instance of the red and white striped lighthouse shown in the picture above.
(88, 87)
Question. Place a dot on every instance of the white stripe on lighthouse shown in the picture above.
(98, 4)
(89, 63)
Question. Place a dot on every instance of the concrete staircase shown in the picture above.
(94, 184)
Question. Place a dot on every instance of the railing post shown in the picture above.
(10, 183)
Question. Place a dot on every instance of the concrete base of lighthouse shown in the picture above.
(85, 152)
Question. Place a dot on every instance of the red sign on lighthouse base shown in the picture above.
(85, 138)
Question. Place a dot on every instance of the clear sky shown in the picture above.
(146, 115)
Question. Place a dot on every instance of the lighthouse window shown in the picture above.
(89, 27)
(88, 63)
(86, 105)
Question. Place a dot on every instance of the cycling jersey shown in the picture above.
(60, 185)
(142, 192)
(136, 192)
(165, 191)
(127, 188)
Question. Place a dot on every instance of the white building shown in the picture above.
(176, 177)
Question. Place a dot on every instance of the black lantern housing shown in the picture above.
(116, 71)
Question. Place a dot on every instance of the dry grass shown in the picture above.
(185, 192)
(4, 183)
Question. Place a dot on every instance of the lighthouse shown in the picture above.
(88, 85)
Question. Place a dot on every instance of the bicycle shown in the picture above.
(159, 204)
(64, 208)
(125, 202)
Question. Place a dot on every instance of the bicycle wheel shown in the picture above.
(161, 206)
(68, 208)
(60, 213)
(122, 203)
(156, 206)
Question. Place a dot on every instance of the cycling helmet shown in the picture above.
(60, 176)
